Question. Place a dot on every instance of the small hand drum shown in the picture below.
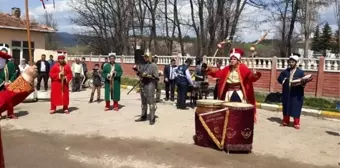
(306, 78)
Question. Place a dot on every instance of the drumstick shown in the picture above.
(226, 40)
(261, 39)
(252, 48)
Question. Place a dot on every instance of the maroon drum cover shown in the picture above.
(240, 127)
(210, 118)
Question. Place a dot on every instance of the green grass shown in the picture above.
(309, 102)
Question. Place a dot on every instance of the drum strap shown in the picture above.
(219, 144)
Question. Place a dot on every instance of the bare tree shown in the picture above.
(152, 6)
(50, 38)
(107, 24)
(309, 16)
(337, 16)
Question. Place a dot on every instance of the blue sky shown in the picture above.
(62, 13)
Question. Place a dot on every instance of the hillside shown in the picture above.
(66, 39)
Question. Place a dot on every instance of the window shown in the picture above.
(16, 43)
(26, 55)
(25, 44)
(25, 50)
(16, 55)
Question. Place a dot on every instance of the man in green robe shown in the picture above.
(112, 73)
(7, 74)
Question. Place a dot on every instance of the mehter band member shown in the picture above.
(61, 75)
(112, 73)
(236, 80)
(15, 93)
(292, 92)
(7, 76)
(148, 74)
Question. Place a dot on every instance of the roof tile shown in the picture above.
(11, 22)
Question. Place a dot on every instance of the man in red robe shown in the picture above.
(236, 80)
(15, 93)
(7, 75)
(61, 75)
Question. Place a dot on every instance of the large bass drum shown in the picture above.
(208, 121)
(240, 127)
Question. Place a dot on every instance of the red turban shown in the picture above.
(5, 55)
(237, 53)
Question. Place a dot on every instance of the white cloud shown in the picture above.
(61, 7)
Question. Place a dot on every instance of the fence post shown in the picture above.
(178, 59)
(91, 57)
(204, 59)
(273, 72)
(122, 59)
(320, 77)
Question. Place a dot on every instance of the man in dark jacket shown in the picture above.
(43, 71)
(169, 80)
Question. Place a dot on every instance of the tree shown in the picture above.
(310, 15)
(107, 24)
(316, 40)
(50, 38)
(325, 39)
(337, 16)
(335, 45)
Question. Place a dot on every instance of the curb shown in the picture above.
(278, 108)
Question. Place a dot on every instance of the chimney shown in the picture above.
(16, 12)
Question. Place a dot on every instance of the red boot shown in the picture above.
(297, 123)
(115, 105)
(107, 105)
(65, 108)
(53, 109)
(285, 121)
(10, 112)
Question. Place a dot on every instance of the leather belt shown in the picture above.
(234, 86)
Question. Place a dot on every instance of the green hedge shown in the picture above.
(309, 102)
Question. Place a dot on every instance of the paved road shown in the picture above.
(38, 139)
(27, 149)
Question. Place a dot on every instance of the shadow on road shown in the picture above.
(71, 109)
(21, 113)
(148, 116)
(120, 106)
(332, 133)
(275, 119)
(18, 114)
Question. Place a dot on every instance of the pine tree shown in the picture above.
(335, 45)
(325, 39)
(316, 39)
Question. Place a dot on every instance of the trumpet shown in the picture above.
(111, 76)
(62, 78)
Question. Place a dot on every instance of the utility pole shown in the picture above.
(28, 27)
(307, 28)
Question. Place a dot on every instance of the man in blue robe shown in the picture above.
(292, 92)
